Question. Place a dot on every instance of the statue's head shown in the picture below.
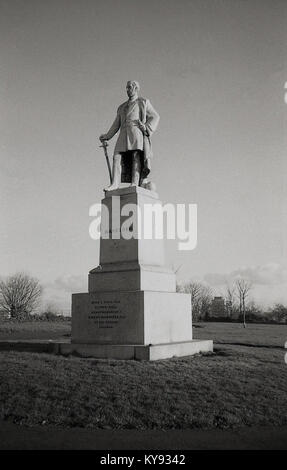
(132, 88)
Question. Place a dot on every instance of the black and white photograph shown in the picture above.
(143, 246)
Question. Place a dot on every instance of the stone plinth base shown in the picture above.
(110, 351)
(131, 317)
(132, 309)
(133, 351)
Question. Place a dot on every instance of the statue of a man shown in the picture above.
(137, 120)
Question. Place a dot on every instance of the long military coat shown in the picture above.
(131, 137)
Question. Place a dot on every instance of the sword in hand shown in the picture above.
(105, 146)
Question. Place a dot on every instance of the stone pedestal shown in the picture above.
(132, 310)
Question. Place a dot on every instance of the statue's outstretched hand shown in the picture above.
(103, 137)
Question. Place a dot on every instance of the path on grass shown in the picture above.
(15, 437)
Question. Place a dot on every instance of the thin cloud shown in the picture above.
(70, 284)
(268, 274)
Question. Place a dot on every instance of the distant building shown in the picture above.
(218, 309)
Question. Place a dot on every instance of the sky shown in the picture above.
(213, 69)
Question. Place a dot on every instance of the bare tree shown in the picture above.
(194, 289)
(230, 298)
(279, 313)
(206, 296)
(19, 294)
(201, 297)
(243, 287)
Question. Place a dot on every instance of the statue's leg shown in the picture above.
(117, 170)
(136, 169)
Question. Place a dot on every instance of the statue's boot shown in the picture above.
(136, 169)
(117, 171)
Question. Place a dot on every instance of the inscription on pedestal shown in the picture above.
(106, 313)
(108, 318)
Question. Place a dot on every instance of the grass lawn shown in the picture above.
(243, 383)
(258, 335)
(34, 330)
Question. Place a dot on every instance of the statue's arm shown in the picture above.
(114, 127)
(152, 118)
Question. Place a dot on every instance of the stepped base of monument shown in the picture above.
(110, 351)
(134, 351)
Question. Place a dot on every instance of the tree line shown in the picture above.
(238, 303)
(20, 297)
